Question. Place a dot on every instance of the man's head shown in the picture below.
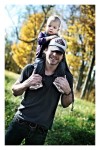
(53, 25)
(56, 50)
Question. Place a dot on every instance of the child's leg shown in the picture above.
(36, 70)
(66, 66)
(36, 63)
(39, 51)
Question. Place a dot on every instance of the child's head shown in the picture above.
(53, 25)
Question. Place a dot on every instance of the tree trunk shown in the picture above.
(79, 82)
(92, 83)
(87, 78)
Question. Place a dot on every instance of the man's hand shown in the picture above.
(34, 79)
(66, 98)
(63, 84)
(18, 88)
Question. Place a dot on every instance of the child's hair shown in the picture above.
(54, 18)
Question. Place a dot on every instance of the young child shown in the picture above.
(52, 31)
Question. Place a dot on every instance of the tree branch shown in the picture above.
(45, 9)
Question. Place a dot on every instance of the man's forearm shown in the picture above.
(19, 88)
(66, 100)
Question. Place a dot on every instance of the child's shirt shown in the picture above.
(42, 44)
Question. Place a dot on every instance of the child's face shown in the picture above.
(52, 27)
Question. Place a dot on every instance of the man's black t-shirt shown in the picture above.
(38, 106)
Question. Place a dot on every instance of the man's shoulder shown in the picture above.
(26, 72)
(28, 69)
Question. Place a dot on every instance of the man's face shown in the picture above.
(53, 57)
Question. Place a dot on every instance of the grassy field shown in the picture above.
(70, 127)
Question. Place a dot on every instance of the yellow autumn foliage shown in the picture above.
(23, 52)
(73, 61)
(80, 37)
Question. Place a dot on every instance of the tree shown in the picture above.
(9, 62)
(81, 40)
(89, 13)
(24, 51)
(88, 77)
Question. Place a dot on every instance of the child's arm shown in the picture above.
(51, 37)
(42, 38)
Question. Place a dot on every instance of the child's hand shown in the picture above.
(53, 36)
(34, 79)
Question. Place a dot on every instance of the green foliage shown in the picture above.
(73, 128)
(70, 127)
(11, 102)
(9, 62)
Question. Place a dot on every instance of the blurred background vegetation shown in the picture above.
(78, 29)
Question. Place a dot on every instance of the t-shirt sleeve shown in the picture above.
(26, 72)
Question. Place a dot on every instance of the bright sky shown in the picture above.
(13, 12)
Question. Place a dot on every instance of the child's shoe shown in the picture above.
(58, 88)
(35, 87)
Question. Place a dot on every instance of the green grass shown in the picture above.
(74, 128)
(11, 102)
(69, 128)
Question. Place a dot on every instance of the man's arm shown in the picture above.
(66, 100)
(19, 88)
(67, 97)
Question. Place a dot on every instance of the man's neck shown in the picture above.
(50, 69)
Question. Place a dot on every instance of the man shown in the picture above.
(36, 112)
